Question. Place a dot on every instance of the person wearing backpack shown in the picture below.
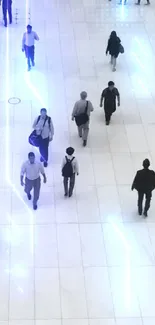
(81, 114)
(69, 169)
(43, 126)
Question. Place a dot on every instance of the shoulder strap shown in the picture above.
(86, 109)
(72, 159)
(49, 120)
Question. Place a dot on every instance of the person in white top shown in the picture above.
(44, 126)
(31, 170)
(28, 47)
(69, 169)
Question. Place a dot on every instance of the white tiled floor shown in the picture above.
(89, 260)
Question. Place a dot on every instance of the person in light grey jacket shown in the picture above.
(79, 108)
(44, 126)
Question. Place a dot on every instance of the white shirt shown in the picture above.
(32, 171)
(74, 163)
(29, 39)
(46, 130)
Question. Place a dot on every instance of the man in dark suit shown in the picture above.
(6, 7)
(144, 183)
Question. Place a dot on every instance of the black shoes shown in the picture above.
(45, 164)
(29, 196)
(107, 122)
(145, 214)
(84, 143)
(35, 207)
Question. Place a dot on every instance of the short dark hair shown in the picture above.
(111, 83)
(29, 26)
(70, 151)
(146, 163)
(43, 110)
(31, 154)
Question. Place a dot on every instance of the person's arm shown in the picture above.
(74, 111)
(90, 106)
(35, 123)
(43, 173)
(134, 182)
(118, 96)
(23, 41)
(76, 167)
(22, 173)
(102, 97)
(36, 37)
(107, 50)
(51, 126)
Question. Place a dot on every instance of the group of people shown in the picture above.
(137, 3)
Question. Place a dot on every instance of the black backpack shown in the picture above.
(67, 170)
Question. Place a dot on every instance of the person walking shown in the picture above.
(113, 48)
(81, 114)
(144, 183)
(31, 170)
(44, 127)
(6, 8)
(69, 169)
(109, 95)
(28, 47)
(147, 3)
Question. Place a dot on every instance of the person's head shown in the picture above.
(70, 151)
(43, 112)
(29, 29)
(31, 157)
(111, 85)
(113, 34)
(146, 163)
(83, 95)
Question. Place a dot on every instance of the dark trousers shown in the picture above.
(29, 52)
(35, 185)
(5, 10)
(71, 181)
(108, 116)
(148, 196)
(43, 148)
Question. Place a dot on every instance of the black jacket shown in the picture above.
(113, 46)
(144, 181)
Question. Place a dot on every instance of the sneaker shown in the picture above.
(45, 164)
(139, 211)
(66, 194)
(84, 143)
(33, 64)
(35, 207)
(107, 122)
(70, 194)
(145, 214)
(29, 68)
(114, 69)
(41, 159)
(29, 196)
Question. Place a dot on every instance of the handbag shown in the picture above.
(121, 49)
(34, 138)
(82, 118)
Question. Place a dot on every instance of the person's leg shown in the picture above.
(140, 202)
(111, 61)
(65, 181)
(80, 131)
(10, 12)
(4, 15)
(107, 117)
(28, 187)
(71, 185)
(138, 2)
(32, 55)
(147, 202)
(148, 2)
(114, 64)
(85, 133)
(28, 55)
(43, 148)
(36, 185)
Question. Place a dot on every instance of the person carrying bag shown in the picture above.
(81, 114)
